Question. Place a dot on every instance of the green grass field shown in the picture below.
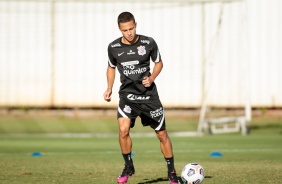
(256, 158)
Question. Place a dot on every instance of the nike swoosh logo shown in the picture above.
(120, 54)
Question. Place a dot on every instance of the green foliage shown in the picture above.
(94, 124)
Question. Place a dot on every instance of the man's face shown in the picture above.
(128, 30)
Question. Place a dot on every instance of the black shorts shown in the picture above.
(151, 114)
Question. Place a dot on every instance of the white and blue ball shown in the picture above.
(193, 173)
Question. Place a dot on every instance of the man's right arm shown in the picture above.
(111, 79)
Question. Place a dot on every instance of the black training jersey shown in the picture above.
(133, 63)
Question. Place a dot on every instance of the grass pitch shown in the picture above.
(255, 158)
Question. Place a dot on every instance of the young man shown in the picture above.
(138, 94)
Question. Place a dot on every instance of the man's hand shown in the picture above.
(147, 81)
(107, 95)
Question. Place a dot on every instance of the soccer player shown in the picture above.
(138, 95)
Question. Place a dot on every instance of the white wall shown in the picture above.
(60, 59)
(264, 36)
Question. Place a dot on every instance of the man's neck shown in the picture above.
(123, 40)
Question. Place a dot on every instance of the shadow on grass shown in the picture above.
(269, 127)
(163, 179)
(156, 180)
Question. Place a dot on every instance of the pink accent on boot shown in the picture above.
(122, 179)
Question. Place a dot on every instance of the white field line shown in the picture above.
(147, 152)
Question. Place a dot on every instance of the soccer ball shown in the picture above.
(193, 173)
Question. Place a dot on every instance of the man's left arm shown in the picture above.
(148, 80)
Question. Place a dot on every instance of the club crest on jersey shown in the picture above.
(127, 109)
(141, 50)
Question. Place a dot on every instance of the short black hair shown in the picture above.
(125, 17)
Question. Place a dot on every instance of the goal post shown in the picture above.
(211, 54)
